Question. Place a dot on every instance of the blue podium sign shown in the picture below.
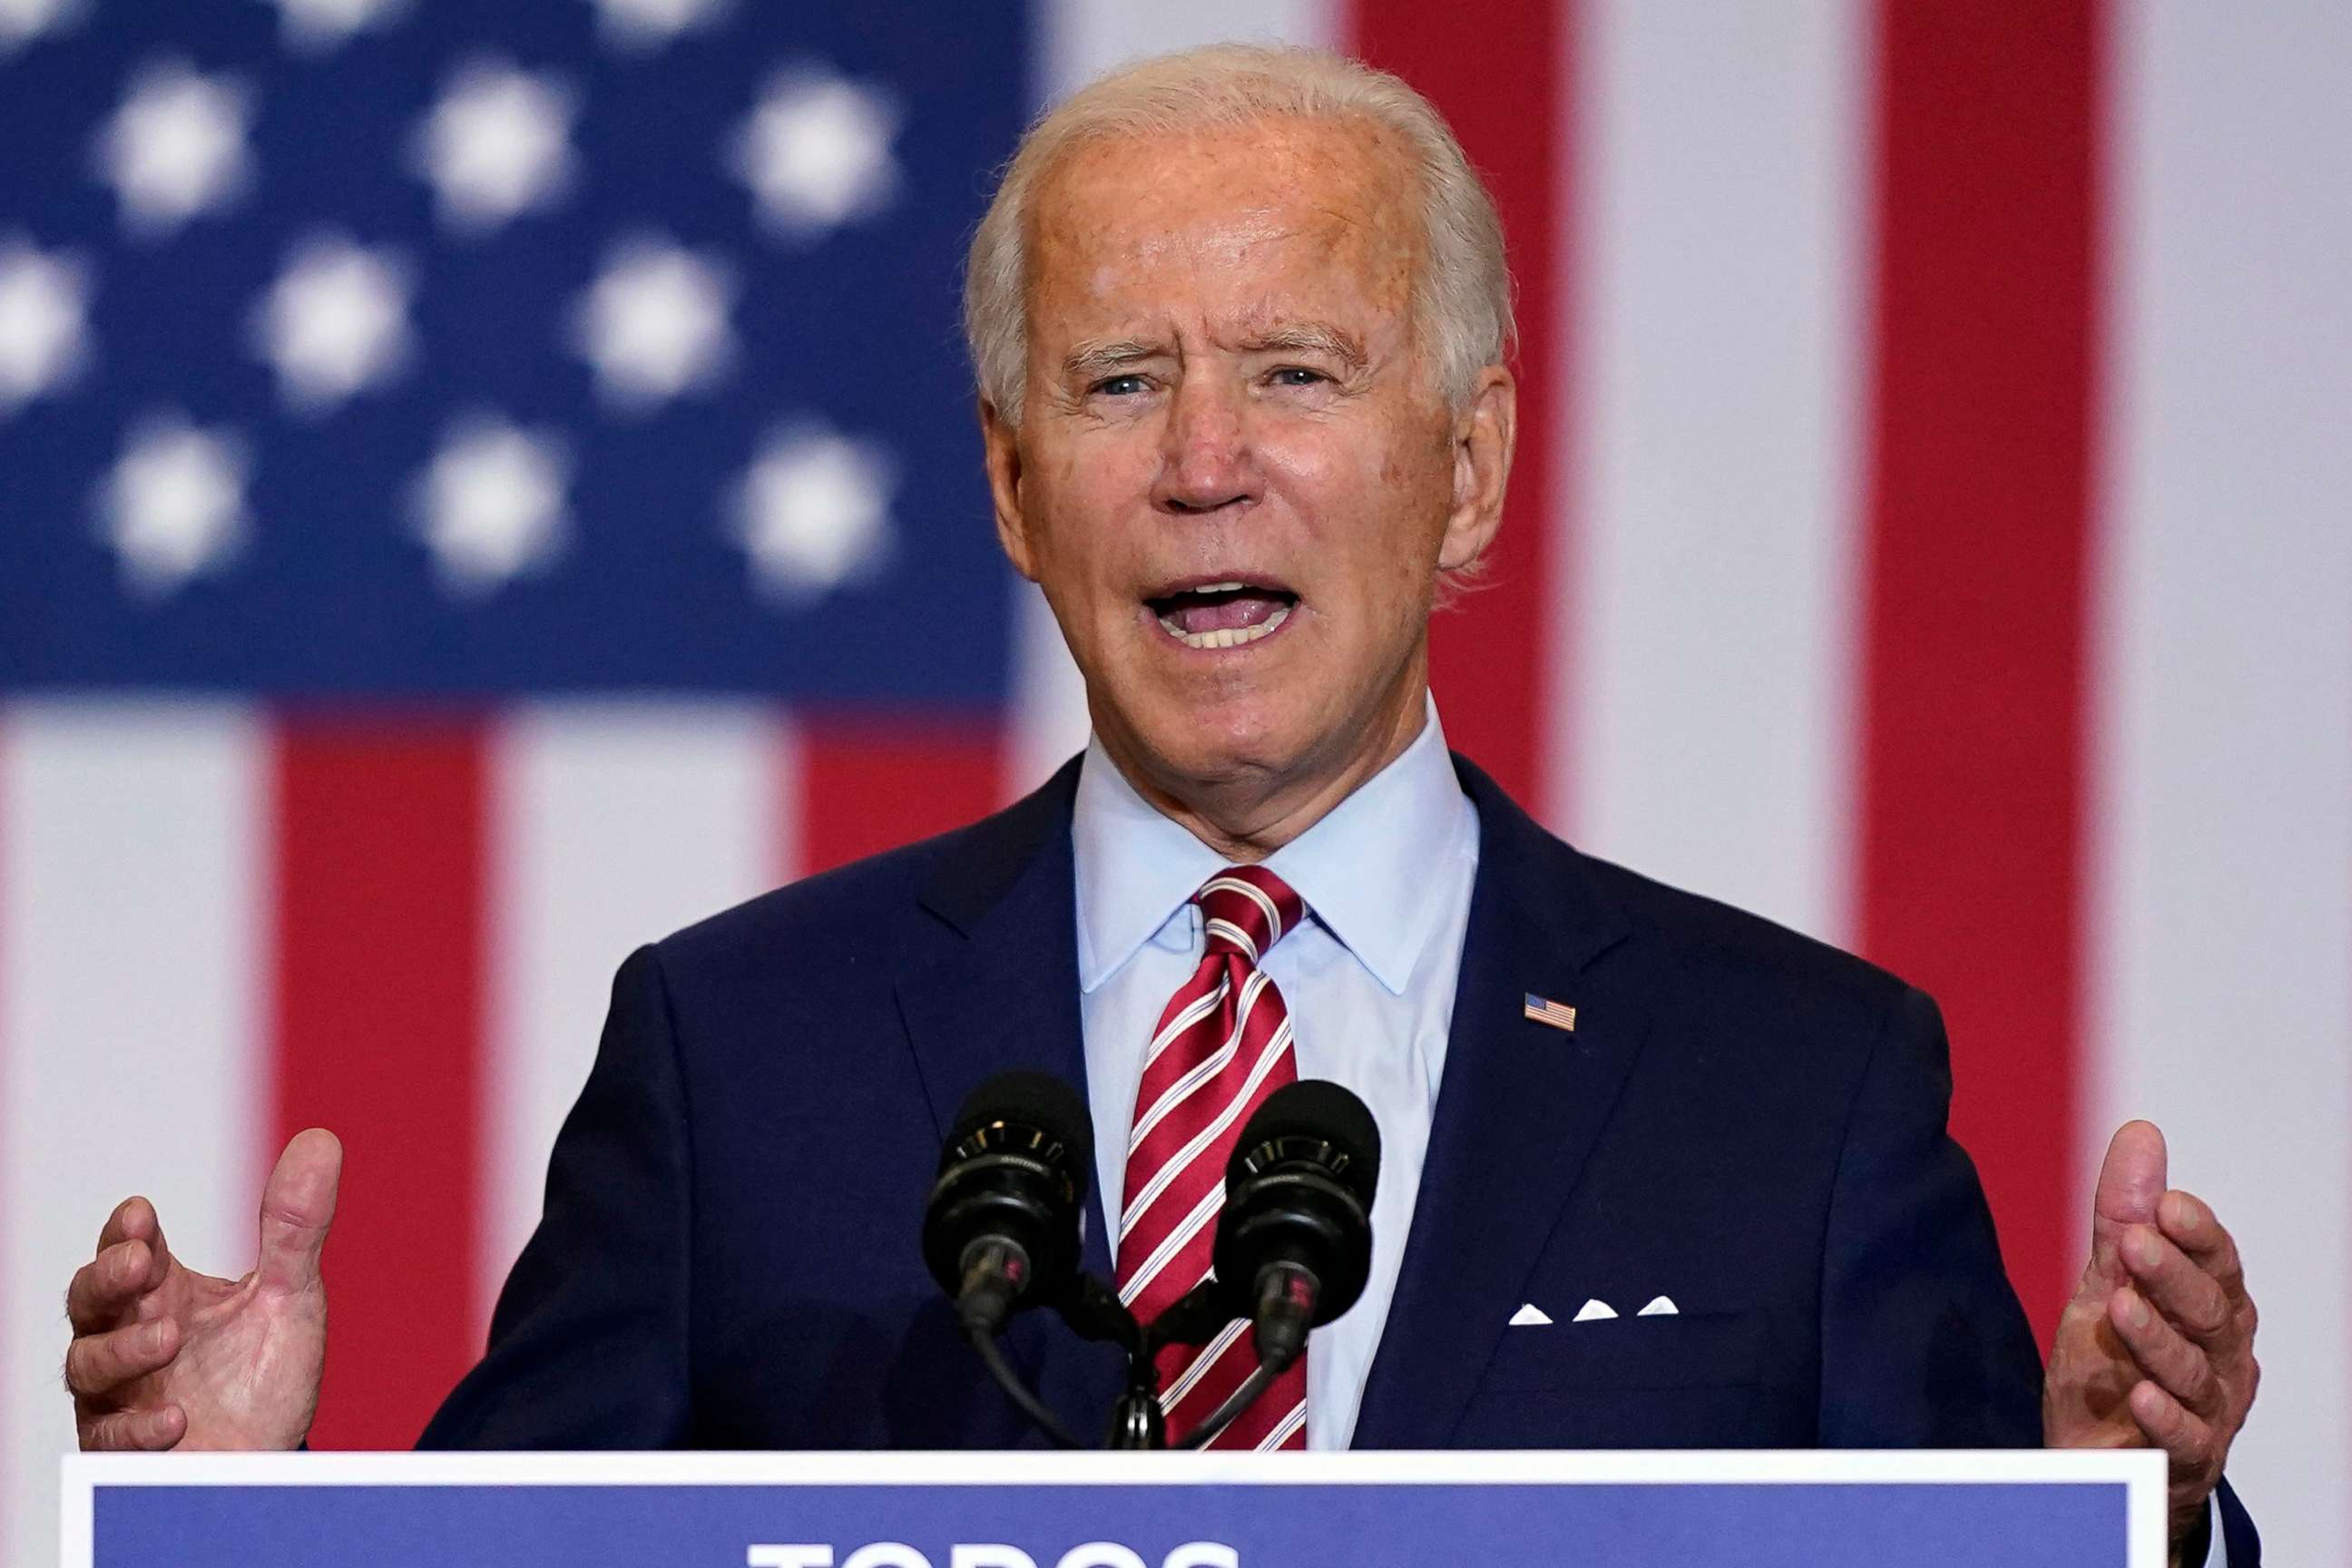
(2005, 1510)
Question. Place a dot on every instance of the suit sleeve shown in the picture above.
(1923, 1341)
(589, 1343)
(2237, 1544)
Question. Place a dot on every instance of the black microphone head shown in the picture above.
(1012, 1186)
(1309, 1112)
(1038, 1103)
(1298, 1197)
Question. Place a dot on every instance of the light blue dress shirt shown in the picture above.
(1368, 980)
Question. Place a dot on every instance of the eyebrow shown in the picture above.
(1310, 337)
(1091, 360)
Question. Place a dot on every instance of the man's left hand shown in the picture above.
(2157, 1345)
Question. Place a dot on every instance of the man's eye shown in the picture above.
(1118, 385)
(1298, 375)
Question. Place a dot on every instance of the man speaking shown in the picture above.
(1656, 1173)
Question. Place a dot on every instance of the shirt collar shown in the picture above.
(1363, 869)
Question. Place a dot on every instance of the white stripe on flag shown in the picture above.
(2222, 995)
(133, 1006)
(1047, 724)
(1717, 320)
(1078, 39)
(613, 825)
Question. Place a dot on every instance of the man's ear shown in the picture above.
(1484, 433)
(1000, 447)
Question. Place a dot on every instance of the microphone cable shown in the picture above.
(992, 1356)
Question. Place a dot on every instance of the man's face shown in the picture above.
(1234, 479)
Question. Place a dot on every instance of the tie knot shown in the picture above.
(1245, 909)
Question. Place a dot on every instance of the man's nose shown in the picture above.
(1206, 462)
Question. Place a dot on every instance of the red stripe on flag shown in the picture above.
(379, 1007)
(864, 786)
(1500, 80)
(1974, 706)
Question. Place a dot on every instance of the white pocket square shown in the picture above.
(1659, 1307)
(1592, 1310)
(1530, 1317)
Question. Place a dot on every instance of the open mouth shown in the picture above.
(1223, 615)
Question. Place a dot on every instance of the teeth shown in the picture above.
(1229, 637)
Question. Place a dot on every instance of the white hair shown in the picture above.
(1462, 298)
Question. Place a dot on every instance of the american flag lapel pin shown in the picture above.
(1555, 1014)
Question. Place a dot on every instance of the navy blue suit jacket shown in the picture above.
(1744, 1119)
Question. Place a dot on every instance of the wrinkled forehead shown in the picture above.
(1241, 224)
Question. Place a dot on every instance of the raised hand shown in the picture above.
(2157, 1345)
(164, 1357)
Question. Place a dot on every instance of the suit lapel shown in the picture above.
(1519, 1110)
(1006, 996)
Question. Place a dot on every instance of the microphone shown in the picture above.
(1000, 1232)
(1294, 1240)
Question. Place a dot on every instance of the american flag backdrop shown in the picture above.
(481, 486)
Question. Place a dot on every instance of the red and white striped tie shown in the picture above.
(1222, 1047)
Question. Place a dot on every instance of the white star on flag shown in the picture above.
(640, 27)
(816, 152)
(813, 512)
(173, 507)
(174, 150)
(491, 506)
(43, 305)
(319, 27)
(334, 324)
(497, 144)
(653, 324)
(22, 21)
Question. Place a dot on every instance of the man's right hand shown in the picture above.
(164, 1357)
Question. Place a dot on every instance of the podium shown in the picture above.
(1844, 1509)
